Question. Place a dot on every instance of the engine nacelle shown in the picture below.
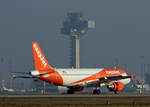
(116, 86)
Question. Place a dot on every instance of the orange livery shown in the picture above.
(76, 79)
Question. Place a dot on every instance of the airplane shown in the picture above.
(77, 79)
(4, 89)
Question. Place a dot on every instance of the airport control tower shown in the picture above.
(75, 27)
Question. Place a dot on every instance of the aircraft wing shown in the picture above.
(104, 80)
(113, 78)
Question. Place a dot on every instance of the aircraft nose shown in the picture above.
(128, 81)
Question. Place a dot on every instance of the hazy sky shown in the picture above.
(122, 31)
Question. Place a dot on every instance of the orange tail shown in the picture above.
(40, 61)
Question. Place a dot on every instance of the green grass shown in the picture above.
(76, 102)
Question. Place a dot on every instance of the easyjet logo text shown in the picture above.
(40, 55)
(112, 72)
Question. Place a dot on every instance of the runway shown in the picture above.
(82, 100)
(73, 96)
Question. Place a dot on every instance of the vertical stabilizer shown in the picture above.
(39, 59)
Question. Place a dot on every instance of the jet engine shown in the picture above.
(116, 87)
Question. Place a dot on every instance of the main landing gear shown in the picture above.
(70, 91)
(97, 91)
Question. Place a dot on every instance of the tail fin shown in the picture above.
(39, 59)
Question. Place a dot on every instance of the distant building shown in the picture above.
(142, 87)
(147, 75)
(43, 87)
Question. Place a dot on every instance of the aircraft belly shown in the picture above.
(68, 80)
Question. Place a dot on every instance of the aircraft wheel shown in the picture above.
(115, 92)
(96, 91)
(70, 91)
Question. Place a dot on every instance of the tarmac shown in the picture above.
(73, 96)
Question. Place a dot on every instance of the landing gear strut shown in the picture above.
(115, 92)
(70, 91)
(96, 91)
